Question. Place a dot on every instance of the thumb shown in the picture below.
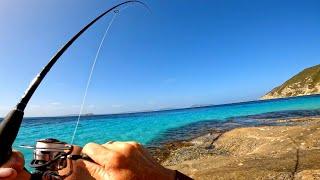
(7, 173)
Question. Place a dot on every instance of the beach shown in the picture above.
(287, 149)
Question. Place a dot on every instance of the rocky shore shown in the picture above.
(289, 149)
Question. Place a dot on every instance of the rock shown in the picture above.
(308, 175)
(252, 153)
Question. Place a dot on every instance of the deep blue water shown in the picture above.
(154, 128)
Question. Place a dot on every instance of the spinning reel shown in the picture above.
(51, 156)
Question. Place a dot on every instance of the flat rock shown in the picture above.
(269, 152)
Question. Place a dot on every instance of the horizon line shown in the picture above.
(172, 109)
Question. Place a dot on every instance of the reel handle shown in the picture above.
(81, 156)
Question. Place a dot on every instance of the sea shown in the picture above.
(156, 128)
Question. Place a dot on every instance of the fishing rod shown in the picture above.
(50, 155)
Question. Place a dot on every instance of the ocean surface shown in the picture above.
(156, 128)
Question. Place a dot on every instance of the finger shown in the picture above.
(76, 150)
(96, 171)
(7, 173)
(97, 153)
(129, 150)
(16, 161)
(134, 143)
(18, 153)
(110, 142)
(121, 142)
(115, 144)
(118, 143)
(125, 147)
(120, 148)
(144, 152)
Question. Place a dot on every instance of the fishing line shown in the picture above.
(90, 75)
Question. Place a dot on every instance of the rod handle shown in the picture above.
(9, 129)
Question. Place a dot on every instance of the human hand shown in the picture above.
(14, 168)
(119, 160)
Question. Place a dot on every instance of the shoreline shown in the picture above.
(162, 150)
(271, 151)
(162, 153)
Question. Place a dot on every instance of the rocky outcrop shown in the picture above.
(269, 152)
(306, 82)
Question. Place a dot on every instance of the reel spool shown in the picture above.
(50, 156)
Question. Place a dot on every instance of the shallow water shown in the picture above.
(154, 128)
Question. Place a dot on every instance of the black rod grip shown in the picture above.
(9, 129)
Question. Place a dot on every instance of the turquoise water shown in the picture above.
(147, 127)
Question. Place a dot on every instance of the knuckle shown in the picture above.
(116, 159)
(129, 149)
(135, 144)
(19, 154)
(88, 146)
(114, 155)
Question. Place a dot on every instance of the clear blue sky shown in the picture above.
(184, 53)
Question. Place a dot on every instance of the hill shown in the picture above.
(307, 82)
